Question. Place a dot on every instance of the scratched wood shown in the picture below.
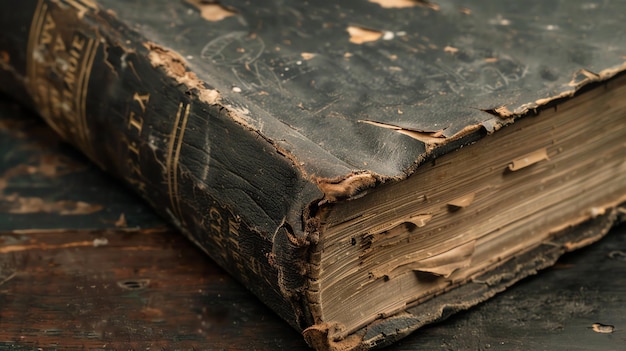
(76, 274)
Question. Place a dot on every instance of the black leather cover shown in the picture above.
(231, 127)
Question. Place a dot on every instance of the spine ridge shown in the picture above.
(135, 109)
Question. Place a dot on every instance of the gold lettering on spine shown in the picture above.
(59, 45)
(224, 229)
(216, 225)
(36, 35)
(80, 94)
(233, 231)
(134, 149)
(134, 128)
(173, 155)
(48, 27)
(142, 100)
(134, 120)
(59, 65)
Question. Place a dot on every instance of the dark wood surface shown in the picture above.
(86, 265)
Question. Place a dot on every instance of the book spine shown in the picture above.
(135, 109)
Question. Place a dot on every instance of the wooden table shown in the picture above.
(86, 265)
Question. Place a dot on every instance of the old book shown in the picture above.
(365, 168)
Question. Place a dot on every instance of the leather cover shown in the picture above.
(237, 128)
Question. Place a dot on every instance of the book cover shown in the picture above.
(86, 264)
(270, 132)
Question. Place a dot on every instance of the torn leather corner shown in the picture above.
(175, 67)
(212, 11)
(360, 35)
(399, 4)
(583, 76)
(349, 186)
(430, 138)
(501, 111)
(327, 337)
(579, 79)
